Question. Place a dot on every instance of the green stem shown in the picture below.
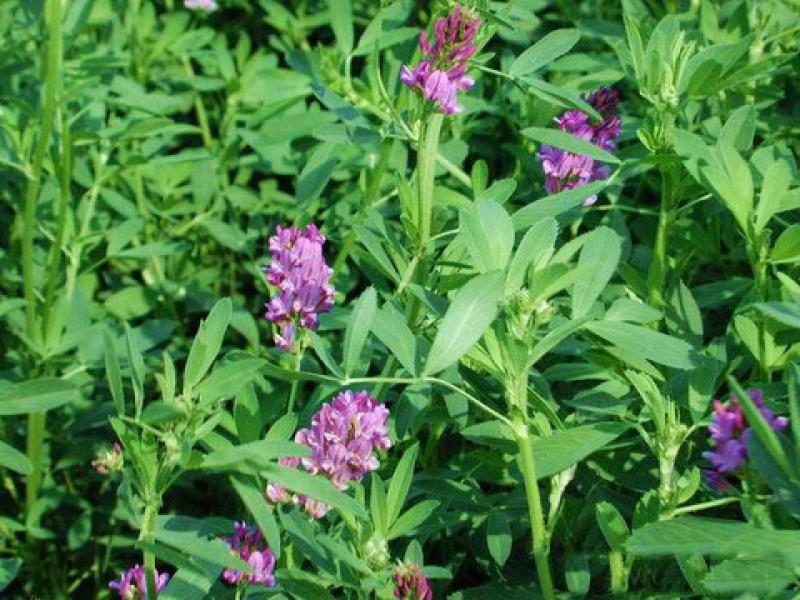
(432, 380)
(199, 108)
(53, 262)
(656, 277)
(52, 58)
(147, 534)
(619, 574)
(426, 174)
(371, 196)
(518, 400)
(298, 359)
(34, 451)
(682, 510)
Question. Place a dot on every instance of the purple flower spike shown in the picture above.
(729, 433)
(247, 543)
(410, 583)
(299, 271)
(441, 74)
(564, 170)
(203, 5)
(343, 437)
(132, 584)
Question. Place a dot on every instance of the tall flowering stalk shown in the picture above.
(248, 544)
(441, 75)
(343, 437)
(132, 583)
(565, 170)
(438, 78)
(299, 271)
(729, 434)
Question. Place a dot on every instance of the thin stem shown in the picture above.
(656, 276)
(704, 505)
(147, 534)
(518, 400)
(619, 574)
(426, 174)
(454, 170)
(432, 380)
(53, 262)
(298, 359)
(371, 197)
(541, 544)
(199, 108)
(52, 58)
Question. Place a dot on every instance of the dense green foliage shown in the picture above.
(549, 367)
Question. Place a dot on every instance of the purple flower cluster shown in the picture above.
(343, 437)
(299, 271)
(248, 544)
(564, 170)
(729, 432)
(410, 583)
(132, 584)
(442, 73)
(204, 5)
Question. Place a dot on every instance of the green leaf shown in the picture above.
(400, 484)
(313, 486)
(596, 265)
(317, 172)
(342, 23)
(646, 343)
(564, 448)
(472, 311)
(302, 585)
(206, 344)
(556, 204)
(13, 459)
(489, 235)
(407, 522)
(754, 575)
(113, 373)
(226, 381)
(787, 246)
(358, 326)
(498, 537)
(613, 526)
(783, 312)
(253, 498)
(391, 329)
(378, 508)
(774, 189)
(292, 375)
(713, 537)
(768, 438)
(258, 454)
(9, 567)
(247, 414)
(570, 143)
(546, 50)
(187, 534)
(36, 395)
(535, 250)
